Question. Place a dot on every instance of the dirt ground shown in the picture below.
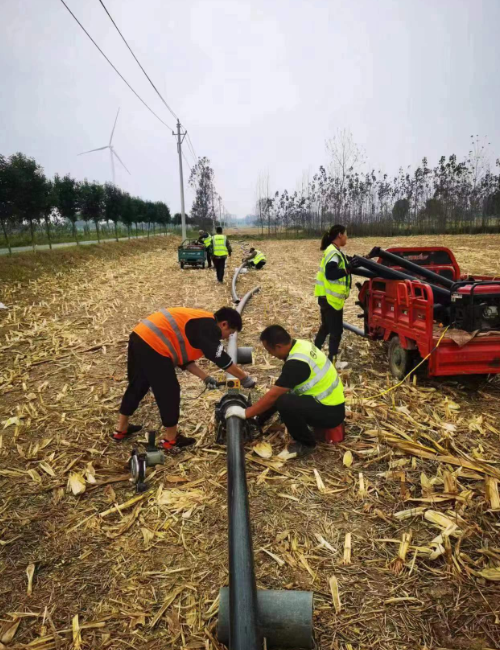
(396, 530)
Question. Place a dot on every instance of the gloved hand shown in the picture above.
(210, 383)
(353, 264)
(248, 382)
(236, 411)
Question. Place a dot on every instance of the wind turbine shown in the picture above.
(112, 151)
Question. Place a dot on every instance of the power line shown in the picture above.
(115, 69)
(137, 60)
(192, 148)
(186, 161)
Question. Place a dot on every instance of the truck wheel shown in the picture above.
(203, 265)
(400, 360)
(182, 265)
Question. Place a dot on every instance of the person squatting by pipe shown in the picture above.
(255, 260)
(308, 393)
(169, 339)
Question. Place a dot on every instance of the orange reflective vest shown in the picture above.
(165, 332)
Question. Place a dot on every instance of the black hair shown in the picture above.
(252, 249)
(275, 335)
(232, 317)
(331, 235)
(218, 230)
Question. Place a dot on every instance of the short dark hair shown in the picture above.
(331, 235)
(252, 249)
(232, 317)
(218, 230)
(275, 335)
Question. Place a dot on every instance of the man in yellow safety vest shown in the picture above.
(221, 248)
(256, 259)
(308, 393)
(206, 240)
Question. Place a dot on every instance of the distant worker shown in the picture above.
(206, 240)
(221, 248)
(256, 259)
(333, 285)
(308, 393)
(170, 339)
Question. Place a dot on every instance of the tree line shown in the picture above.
(29, 199)
(453, 196)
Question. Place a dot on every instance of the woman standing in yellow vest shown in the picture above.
(332, 288)
(308, 393)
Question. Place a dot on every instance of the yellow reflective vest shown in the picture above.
(219, 246)
(323, 383)
(336, 291)
(259, 257)
(208, 241)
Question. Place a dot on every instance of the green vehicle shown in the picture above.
(192, 253)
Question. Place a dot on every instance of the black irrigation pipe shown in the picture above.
(244, 629)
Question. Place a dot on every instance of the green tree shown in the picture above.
(49, 203)
(202, 180)
(28, 190)
(6, 199)
(113, 205)
(162, 214)
(128, 214)
(92, 203)
(400, 210)
(67, 197)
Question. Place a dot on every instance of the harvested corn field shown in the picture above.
(396, 530)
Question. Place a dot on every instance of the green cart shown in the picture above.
(192, 253)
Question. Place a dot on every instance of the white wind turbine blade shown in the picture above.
(120, 160)
(91, 150)
(114, 126)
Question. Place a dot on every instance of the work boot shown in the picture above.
(301, 451)
(132, 429)
(180, 442)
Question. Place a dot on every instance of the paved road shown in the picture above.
(44, 247)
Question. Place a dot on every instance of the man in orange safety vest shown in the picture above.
(166, 340)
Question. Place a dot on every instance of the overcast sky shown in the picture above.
(259, 84)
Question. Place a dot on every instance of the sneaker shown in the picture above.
(180, 442)
(132, 429)
(301, 451)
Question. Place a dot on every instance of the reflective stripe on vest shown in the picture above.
(156, 330)
(259, 257)
(177, 332)
(164, 331)
(219, 245)
(323, 383)
(336, 291)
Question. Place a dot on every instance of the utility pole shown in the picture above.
(179, 151)
(220, 210)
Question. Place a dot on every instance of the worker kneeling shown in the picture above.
(256, 259)
(308, 393)
(168, 339)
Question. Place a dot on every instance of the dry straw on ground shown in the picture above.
(396, 530)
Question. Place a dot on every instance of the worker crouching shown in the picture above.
(256, 259)
(307, 394)
(166, 340)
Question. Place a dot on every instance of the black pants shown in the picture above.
(259, 265)
(220, 266)
(331, 324)
(148, 369)
(298, 413)
(209, 258)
